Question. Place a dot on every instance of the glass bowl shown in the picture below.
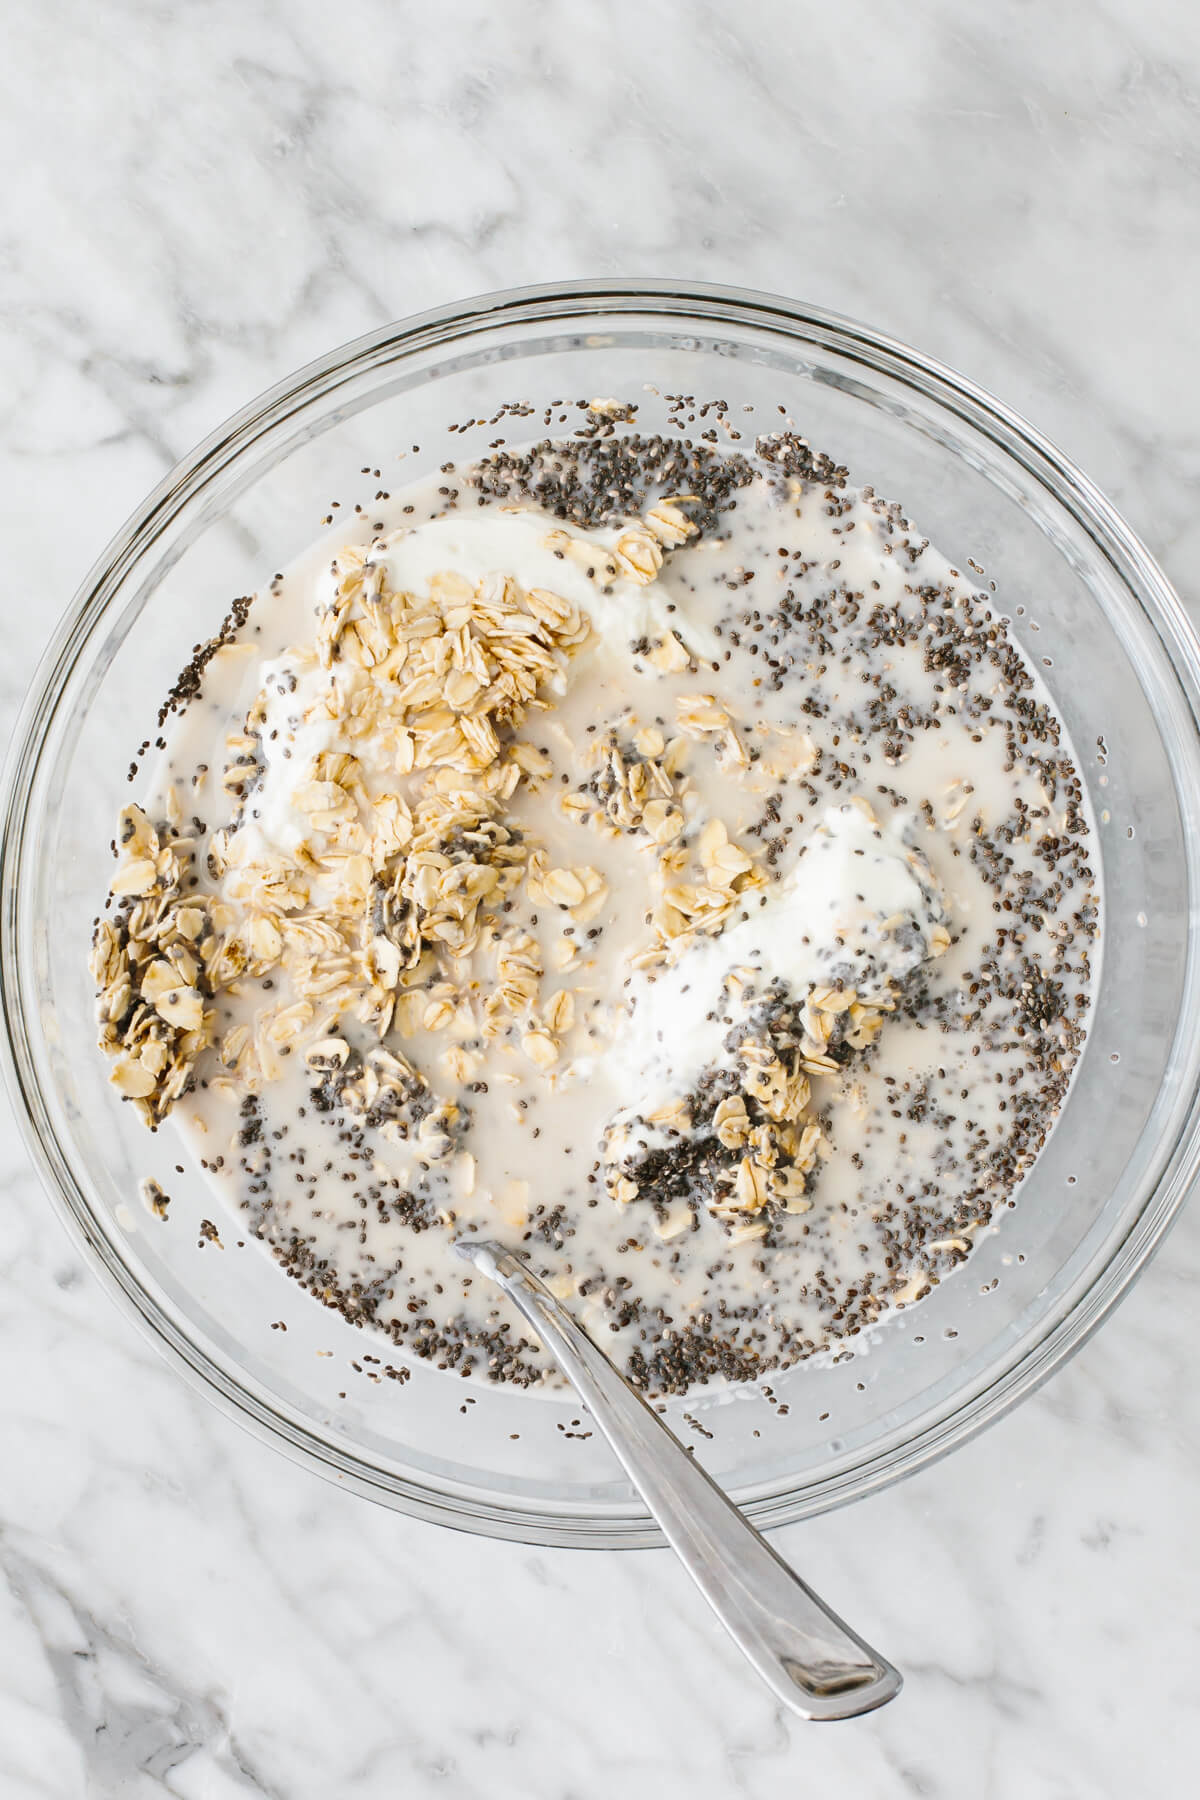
(1088, 604)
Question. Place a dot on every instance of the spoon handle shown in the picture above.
(808, 1656)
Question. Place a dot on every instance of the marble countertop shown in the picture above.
(197, 200)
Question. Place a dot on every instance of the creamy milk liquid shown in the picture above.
(913, 832)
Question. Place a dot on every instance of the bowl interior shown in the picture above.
(249, 502)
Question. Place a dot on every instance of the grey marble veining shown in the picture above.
(198, 199)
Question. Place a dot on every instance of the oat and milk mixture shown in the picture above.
(654, 856)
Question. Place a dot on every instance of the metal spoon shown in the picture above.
(810, 1659)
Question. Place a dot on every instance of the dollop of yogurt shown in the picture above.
(860, 907)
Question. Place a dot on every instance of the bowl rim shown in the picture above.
(710, 303)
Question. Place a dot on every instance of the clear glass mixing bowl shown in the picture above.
(1088, 604)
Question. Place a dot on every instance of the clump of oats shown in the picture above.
(755, 1149)
(373, 915)
(752, 1151)
(633, 786)
(149, 960)
(385, 1092)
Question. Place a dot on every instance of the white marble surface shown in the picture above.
(199, 197)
